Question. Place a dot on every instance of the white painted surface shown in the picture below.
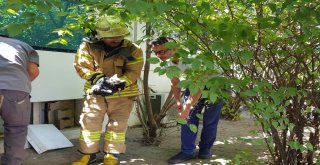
(58, 79)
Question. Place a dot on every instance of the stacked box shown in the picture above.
(64, 118)
(61, 113)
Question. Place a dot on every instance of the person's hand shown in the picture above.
(179, 106)
(184, 114)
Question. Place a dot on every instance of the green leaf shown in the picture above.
(11, 11)
(193, 128)
(224, 64)
(184, 83)
(58, 41)
(15, 29)
(246, 55)
(265, 22)
(291, 126)
(162, 7)
(199, 115)
(172, 72)
(223, 26)
(62, 14)
(162, 71)
(294, 145)
(40, 19)
(157, 69)
(182, 53)
(57, 3)
(137, 6)
(153, 60)
(273, 7)
(196, 64)
(221, 46)
(43, 6)
(243, 33)
(181, 121)
(171, 45)
(309, 146)
(250, 93)
(193, 88)
(28, 14)
(213, 97)
(163, 63)
(15, 6)
(276, 98)
(275, 124)
(291, 91)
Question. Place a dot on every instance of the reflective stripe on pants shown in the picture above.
(91, 119)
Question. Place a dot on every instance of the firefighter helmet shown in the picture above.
(111, 26)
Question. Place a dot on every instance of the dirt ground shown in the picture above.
(233, 138)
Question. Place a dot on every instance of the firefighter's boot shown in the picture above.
(110, 159)
(86, 160)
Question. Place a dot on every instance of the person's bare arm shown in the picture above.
(176, 92)
(192, 100)
(33, 71)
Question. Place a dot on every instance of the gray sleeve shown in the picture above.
(33, 56)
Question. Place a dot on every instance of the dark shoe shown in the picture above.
(181, 157)
(204, 154)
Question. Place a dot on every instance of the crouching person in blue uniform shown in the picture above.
(192, 105)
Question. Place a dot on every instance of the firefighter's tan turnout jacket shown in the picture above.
(92, 61)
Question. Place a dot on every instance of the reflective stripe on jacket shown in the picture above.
(91, 62)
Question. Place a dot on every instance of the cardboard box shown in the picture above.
(65, 108)
(63, 113)
(65, 122)
(62, 104)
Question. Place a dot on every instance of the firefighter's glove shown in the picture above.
(101, 88)
(115, 84)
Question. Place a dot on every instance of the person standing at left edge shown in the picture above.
(18, 67)
(111, 65)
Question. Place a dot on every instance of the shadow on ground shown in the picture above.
(227, 146)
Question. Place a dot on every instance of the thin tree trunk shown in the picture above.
(152, 123)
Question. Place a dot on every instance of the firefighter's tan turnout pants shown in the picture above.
(91, 119)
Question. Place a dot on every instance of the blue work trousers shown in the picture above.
(211, 115)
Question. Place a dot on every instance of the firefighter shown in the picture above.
(111, 65)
